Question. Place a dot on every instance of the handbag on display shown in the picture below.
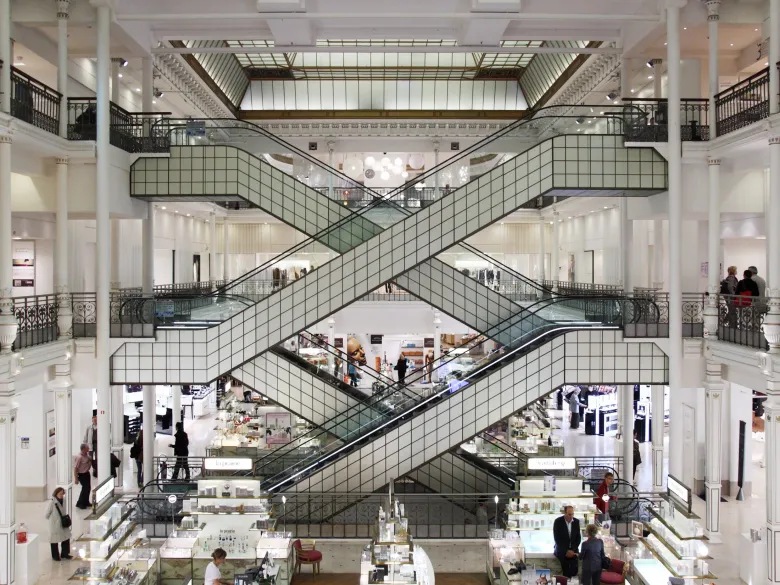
(64, 518)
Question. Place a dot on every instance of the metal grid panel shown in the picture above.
(509, 60)
(224, 69)
(453, 421)
(544, 69)
(200, 356)
(448, 474)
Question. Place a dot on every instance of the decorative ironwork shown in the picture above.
(130, 131)
(131, 316)
(34, 102)
(693, 314)
(647, 120)
(741, 320)
(743, 103)
(37, 319)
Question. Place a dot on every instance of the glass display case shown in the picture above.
(93, 549)
(531, 507)
(99, 571)
(101, 528)
(679, 524)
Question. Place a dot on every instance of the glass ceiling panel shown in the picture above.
(510, 61)
(385, 43)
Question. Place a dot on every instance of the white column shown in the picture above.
(658, 78)
(147, 229)
(8, 324)
(657, 411)
(212, 246)
(772, 459)
(714, 398)
(627, 417)
(62, 389)
(116, 254)
(115, 62)
(103, 238)
(175, 407)
(147, 83)
(713, 248)
(331, 341)
(626, 246)
(64, 306)
(117, 419)
(554, 267)
(774, 55)
(436, 164)
(713, 6)
(7, 483)
(772, 319)
(62, 63)
(675, 226)
(658, 253)
(436, 345)
(542, 252)
(225, 250)
(149, 425)
(5, 57)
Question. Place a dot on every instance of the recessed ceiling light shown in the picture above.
(605, 207)
(137, 89)
(163, 207)
(119, 75)
(685, 28)
(154, 101)
(732, 44)
(176, 211)
(602, 113)
(18, 63)
(188, 215)
(632, 91)
(649, 76)
(570, 217)
(665, 44)
(756, 30)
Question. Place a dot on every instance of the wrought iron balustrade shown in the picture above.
(131, 315)
(130, 131)
(743, 103)
(647, 120)
(34, 102)
(741, 320)
(37, 320)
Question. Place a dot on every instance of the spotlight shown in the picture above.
(123, 62)
(580, 120)
(158, 94)
(650, 63)
(612, 96)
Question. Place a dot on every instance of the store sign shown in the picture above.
(376, 339)
(228, 464)
(102, 492)
(559, 463)
(428, 342)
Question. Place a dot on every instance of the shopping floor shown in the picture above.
(456, 562)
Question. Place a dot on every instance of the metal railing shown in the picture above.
(741, 320)
(743, 103)
(37, 320)
(130, 131)
(411, 197)
(34, 102)
(582, 288)
(131, 315)
(647, 120)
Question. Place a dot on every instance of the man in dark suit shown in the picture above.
(567, 535)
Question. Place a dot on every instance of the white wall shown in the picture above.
(744, 252)
(33, 403)
(599, 232)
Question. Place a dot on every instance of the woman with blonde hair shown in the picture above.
(59, 526)
(592, 556)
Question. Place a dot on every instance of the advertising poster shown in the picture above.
(51, 451)
(23, 267)
(278, 428)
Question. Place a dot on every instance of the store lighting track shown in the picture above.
(427, 400)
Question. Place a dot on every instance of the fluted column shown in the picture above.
(658, 254)
(626, 246)
(627, 420)
(772, 459)
(212, 246)
(772, 319)
(436, 346)
(62, 63)
(175, 406)
(331, 341)
(542, 252)
(436, 164)
(774, 55)
(225, 250)
(64, 306)
(116, 254)
(713, 16)
(8, 324)
(62, 389)
(657, 78)
(714, 398)
(7, 483)
(149, 427)
(713, 245)
(147, 229)
(331, 146)
(556, 244)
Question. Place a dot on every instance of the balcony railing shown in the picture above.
(741, 320)
(37, 320)
(647, 120)
(34, 102)
(743, 103)
(131, 132)
(582, 288)
(131, 315)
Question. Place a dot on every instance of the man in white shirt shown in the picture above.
(759, 281)
(90, 438)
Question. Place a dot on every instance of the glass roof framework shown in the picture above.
(385, 66)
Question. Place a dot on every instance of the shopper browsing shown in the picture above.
(400, 367)
(82, 463)
(566, 532)
(601, 504)
(728, 286)
(181, 449)
(592, 557)
(758, 280)
(137, 453)
(747, 285)
(213, 574)
(637, 457)
(59, 526)
(352, 371)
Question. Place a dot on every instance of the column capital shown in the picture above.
(103, 4)
(436, 144)
(713, 161)
(774, 140)
(62, 160)
(656, 62)
(713, 8)
(63, 6)
(7, 138)
(668, 3)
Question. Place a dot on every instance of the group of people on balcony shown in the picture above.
(751, 285)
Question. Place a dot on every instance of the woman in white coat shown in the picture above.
(59, 535)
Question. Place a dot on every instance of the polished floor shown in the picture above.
(347, 579)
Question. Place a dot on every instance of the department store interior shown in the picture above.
(476, 292)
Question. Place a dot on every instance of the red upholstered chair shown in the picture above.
(615, 574)
(560, 580)
(305, 554)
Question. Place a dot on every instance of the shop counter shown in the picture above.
(650, 572)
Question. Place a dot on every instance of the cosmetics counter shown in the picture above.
(115, 550)
(392, 557)
(232, 514)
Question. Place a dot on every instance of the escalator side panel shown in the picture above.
(293, 388)
(206, 354)
(578, 357)
(449, 474)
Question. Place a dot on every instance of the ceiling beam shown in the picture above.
(325, 115)
(439, 16)
(393, 49)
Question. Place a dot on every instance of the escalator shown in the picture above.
(203, 355)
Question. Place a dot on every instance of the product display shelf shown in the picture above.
(691, 549)
(681, 568)
(680, 526)
(102, 550)
(504, 548)
(100, 528)
(539, 511)
(235, 496)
